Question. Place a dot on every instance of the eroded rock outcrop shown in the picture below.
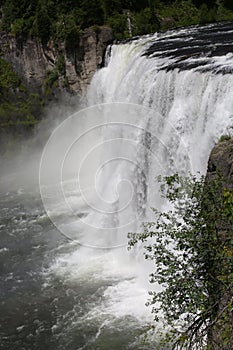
(220, 335)
(221, 159)
(32, 60)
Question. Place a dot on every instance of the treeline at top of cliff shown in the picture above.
(65, 19)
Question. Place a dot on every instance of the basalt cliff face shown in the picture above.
(33, 61)
(221, 160)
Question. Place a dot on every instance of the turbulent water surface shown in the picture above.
(160, 104)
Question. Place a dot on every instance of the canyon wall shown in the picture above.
(34, 62)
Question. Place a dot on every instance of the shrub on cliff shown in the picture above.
(17, 105)
(191, 246)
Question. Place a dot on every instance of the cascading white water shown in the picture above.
(151, 112)
(185, 112)
(197, 105)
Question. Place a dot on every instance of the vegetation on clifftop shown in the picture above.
(65, 19)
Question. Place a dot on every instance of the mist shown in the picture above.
(22, 150)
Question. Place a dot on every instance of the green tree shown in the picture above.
(109, 7)
(118, 23)
(145, 22)
(43, 22)
(92, 12)
(206, 15)
(14, 9)
(191, 246)
(9, 81)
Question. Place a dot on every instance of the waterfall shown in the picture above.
(194, 103)
(156, 108)
(178, 103)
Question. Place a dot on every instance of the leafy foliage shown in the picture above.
(224, 138)
(146, 22)
(64, 19)
(9, 79)
(191, 246)
(17, 105)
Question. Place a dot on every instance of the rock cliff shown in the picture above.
(220, 336)
(221, 159)
(33, 61)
